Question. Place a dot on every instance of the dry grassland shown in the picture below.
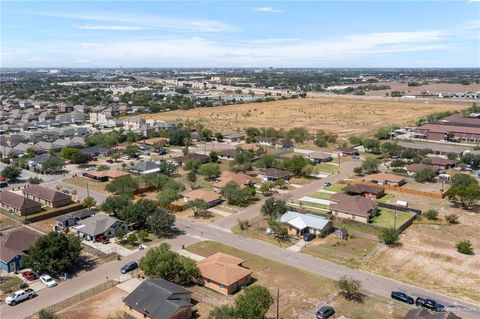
(344, 116)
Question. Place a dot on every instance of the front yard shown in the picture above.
(82, 182)
(386, 218)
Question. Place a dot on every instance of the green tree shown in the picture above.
(161, 262)
(210, 171)
(254, 303)
(178, 137)
(166, 197)
(138, 212)
(370, 165)
(464, 189)
(53, 253)
(266, 187)
(237, 196)
(266, 161)
(223, 312)
(142, 235)
(213, 157)
(242, 162)
(115, 204)
(197, 205)
(390, 236)
(350, 288)
(372, 146)
(465, 247)
(425, 175)
(358, 171)
(89, 202)
(161, 222)
(103, 167)
(68, 152)
(35, 180)
(280, 230)
(11, 173)
(123, 185)
(53, 164)
(273, 208)
(80, 158)
(131, 150)
(192, 165)
(295, 164)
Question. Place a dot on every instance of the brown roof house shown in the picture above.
(356, 208)
(242, 180)
(14, 245)
(274, 174)
(386, 179)
(20, 205)
(211, 198)
(47, 196)
(442, 162)
(223, 273)
(422, 313)
(413, 168)
(367, 191)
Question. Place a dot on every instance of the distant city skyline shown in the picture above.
(202, 34)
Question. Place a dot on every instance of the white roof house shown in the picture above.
(306, 222)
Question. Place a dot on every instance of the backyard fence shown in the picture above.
(399, 208)
(405, 190)
(54, 213)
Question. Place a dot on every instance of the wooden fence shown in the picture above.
(54, 213)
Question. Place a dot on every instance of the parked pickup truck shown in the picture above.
(19, 296)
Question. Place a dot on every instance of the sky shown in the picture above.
(97, 34)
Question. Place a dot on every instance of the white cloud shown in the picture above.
(267, 10)
(110, 27)
(145, 21)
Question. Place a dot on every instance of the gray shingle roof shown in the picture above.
(46, 193)
(154, 297)
(97, 224)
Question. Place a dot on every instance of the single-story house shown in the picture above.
(274, 174)
(160, 299)
(211, 198)
(228, 154)
(99, 225)
(319, 157)
(367, 191)
(284, 143)
(95, 151)
(267, 141)
(422, 313)
(233, 137)
(37, 161)
(413, 168)
(386, 179)
(300, 224)
(346, 151)
(71, 219)
(223, 273)
(442, 162)
(14, 245)
(242, 180)
(144, 168)
(47, 196)
(191, 156)
(111, 174)
(18, 204)
(356, 208)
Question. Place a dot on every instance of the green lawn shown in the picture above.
(260, 234)
(9, 284)
(356, 227)
(336, 187)
(386, 218)
(321, 195)
(327, 168)
(314, 205)
(388, 198)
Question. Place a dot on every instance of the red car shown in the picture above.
(29, 275)
(103, 240)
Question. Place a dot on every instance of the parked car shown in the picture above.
(429, 304)
(402, 297)
(29, 275)
(126, 158)
(129, 267)
(110, 161)
(90, 168)
(48, 281)
(103, 240)
(19, 296)
(3, 184)
(326, 184)
(355, 156)
(308, 237)
(162, 151)
(325, 312)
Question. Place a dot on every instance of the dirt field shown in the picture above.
(341, 115)
(433, 88)
(427, 255)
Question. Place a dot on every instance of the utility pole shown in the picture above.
(395, 220)
(278, 305)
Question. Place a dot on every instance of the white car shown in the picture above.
(48, 281)
(89, 169)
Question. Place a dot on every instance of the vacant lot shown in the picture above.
(344, 116)
(301, 293)
(427, 255)
(82, 182)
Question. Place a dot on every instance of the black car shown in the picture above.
(429, 304)
(128, 267)
(308, 237)
(402, 297)
(325, 312)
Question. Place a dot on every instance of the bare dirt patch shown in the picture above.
(344, 116)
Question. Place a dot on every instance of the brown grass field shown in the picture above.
(345, 116)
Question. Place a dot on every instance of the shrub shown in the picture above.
(451, 218)
(390, 236)
(465, 247)
(431, 214)
(243, 224)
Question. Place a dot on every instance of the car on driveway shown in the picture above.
(29, 275)
(308, 237)
(326, 184)
(403, 297)
(429, 304)
(325, 312)
(129, 267)
(48, 281)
